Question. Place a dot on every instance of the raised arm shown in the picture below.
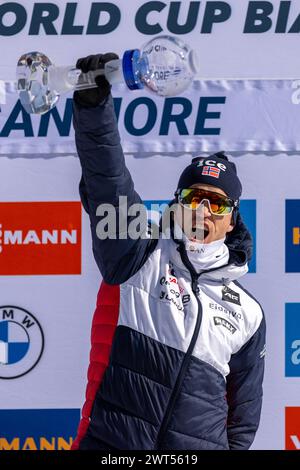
(105, 178)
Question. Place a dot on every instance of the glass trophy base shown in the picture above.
(33, 83)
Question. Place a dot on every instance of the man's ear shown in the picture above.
(234, 217)
(230, 228)
(232, 223)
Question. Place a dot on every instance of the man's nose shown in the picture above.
(204, 208)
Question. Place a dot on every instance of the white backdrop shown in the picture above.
(64, 304)
(255, 117)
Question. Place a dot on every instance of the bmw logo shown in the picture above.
(21, 342)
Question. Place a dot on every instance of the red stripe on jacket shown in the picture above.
(103, 328)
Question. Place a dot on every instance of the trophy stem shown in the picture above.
(65, 78)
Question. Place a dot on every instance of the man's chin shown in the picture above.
(199, 240)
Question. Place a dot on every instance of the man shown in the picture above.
(185, 366)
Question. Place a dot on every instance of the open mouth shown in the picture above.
(200, 233)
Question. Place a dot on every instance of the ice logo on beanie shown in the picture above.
(211, 167)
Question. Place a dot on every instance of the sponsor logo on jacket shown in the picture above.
(230, 296)
(232, 313)
(219, 321)
(172, 291)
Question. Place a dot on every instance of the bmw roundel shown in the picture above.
(21, 342)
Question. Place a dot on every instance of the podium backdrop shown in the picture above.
(48, 278)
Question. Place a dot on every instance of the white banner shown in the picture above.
(233, 38)
(237, 116)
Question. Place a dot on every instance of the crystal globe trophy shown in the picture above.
(165, 66)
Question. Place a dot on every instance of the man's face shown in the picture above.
(200, 224)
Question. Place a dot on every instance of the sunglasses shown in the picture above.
(191, 198)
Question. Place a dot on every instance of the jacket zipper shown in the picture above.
(188, 354)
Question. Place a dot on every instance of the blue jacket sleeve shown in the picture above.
(244, 391)
(105, 178)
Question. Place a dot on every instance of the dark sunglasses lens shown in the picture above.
(218, 204)
(190, 198)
